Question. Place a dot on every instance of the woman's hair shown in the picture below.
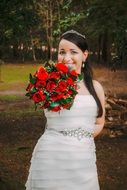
(80, 41)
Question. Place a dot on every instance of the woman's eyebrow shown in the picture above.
(61, 49)
(70, 49)
(73, 49)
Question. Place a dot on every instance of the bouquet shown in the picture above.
(53, 87)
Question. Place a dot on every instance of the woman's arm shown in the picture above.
(100, 120)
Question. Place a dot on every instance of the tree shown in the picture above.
(55, 20)
(17, 20)
(72, 19)
(106, 20)
(49, 13)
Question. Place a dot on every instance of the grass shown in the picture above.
(12, 98)
(21, 113)
(17, 73)
(16, 76)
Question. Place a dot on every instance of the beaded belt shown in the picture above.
(79, 133)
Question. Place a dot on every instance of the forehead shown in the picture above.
(67, 45)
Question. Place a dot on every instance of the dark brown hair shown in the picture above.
(80, 41)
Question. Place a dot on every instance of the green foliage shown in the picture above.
(17, 20)
(67, 22)
(105, 25)
(32, 79)
(25, 23)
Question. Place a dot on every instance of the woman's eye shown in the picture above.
(62, 53)
(73, 52)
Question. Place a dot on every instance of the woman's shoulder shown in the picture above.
(98, 87)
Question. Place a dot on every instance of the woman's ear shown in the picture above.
(85, 54)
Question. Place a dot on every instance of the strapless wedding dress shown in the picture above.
(64, 157)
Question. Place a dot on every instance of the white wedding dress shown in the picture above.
(64, 157)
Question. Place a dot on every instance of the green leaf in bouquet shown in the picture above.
(80, 77)
(27, 94)
(35, 105)
(62, 101)
(64, 76)
(68, 100)
(70, 68)
(47, 93)
(32, 79)
(50, 68)
(69, 107)
(54, 104)
(72, 88)
(33, 90)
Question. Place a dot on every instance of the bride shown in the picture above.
(64, 157)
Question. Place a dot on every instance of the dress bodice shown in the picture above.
(82, 114)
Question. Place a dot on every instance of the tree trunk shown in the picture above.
(99, 48)
(33, 49)
(51, 29)
(104, 47)
(15, 51)
(106, 54)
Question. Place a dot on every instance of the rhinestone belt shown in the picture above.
(79, 133)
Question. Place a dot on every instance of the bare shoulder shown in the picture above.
(98, 87)
(99, 90)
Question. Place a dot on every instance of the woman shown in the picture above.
(64, 157)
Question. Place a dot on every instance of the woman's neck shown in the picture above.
(82, 88)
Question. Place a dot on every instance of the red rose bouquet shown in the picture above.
(53, 87)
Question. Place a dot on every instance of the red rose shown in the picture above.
(74, 73)
(70, 92)
(46, 104)
(40, 84)
(57, 97)
(54, 75)
(62, 67)
(62, 86)
(50, 86)
(30, 85)
(75, 86)
(66, 106)
(42, 74)
(70, 81)
(56, 108)
(38, 97)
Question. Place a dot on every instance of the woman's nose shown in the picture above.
(68, 58)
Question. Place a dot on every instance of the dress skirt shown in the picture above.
(63, 163)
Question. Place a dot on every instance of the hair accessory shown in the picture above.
(74, 32)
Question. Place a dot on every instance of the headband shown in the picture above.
(74, 32)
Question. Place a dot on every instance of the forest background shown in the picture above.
(30, 29)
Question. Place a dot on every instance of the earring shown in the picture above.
(83, 64)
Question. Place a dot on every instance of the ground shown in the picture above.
(21, 127)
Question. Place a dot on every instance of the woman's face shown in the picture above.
(72, 55)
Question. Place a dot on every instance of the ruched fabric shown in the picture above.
(63, 162)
